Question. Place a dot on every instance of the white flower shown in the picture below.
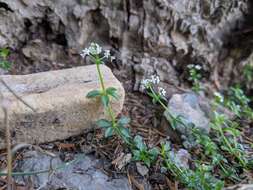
(155, 79)
(146, 82)
(190, 66)
(161, 91)
(107, 54)
(85, 52)
(95, 49)
(219, 97)
(198, 67)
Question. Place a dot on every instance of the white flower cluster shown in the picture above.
(153, 80)
(191, 66)
(95, 49)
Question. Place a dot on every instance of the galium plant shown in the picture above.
(195, 77)
(236, 101)
(227, 130)
(106, 94)
(212, 155)
(158, 95)
(228, 135)
(200, 179)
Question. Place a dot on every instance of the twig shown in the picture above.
(16, 96)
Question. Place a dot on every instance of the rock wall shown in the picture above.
(149, 36)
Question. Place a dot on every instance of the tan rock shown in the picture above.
(60, 100)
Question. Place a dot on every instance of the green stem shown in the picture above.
(230, 147)
(157, 98)
(109, 107)
(101, 79)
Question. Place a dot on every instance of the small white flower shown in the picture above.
(107, 54)
(85, 52)
(95, 49)
(198, 67)
(219, 97)
(146, 82)
(161, 91)
(155, 79)
(190, 66)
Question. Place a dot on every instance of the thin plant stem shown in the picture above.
(109, 107)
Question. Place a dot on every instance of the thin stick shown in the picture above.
(16, 96)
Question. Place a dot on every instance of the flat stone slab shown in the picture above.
(59, 98)
(82, 174)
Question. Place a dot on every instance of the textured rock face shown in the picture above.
(144, 33)
(59, 98)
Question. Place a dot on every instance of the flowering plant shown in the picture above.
(112, 126)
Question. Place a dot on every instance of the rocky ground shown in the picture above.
(106, 163)
(146, 37)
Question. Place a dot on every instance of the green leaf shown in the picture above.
(154, 152)
(93, 93)
(137, 155)
(5, 65)
(105, 100)
(125, 131)
(147, 162)
(112, 92)
(139, 143)
(103, 123)
(109, 132)
(123, 121)
(165, 147)
(232, 131)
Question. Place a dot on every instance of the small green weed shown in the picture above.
(142, 153)
(200, 179)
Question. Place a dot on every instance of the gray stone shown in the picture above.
(187, 106)
(59, 99)
(82, 174)
(142, 169)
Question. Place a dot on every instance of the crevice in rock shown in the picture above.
(5, 6)
(27, 23)
(60, 39)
